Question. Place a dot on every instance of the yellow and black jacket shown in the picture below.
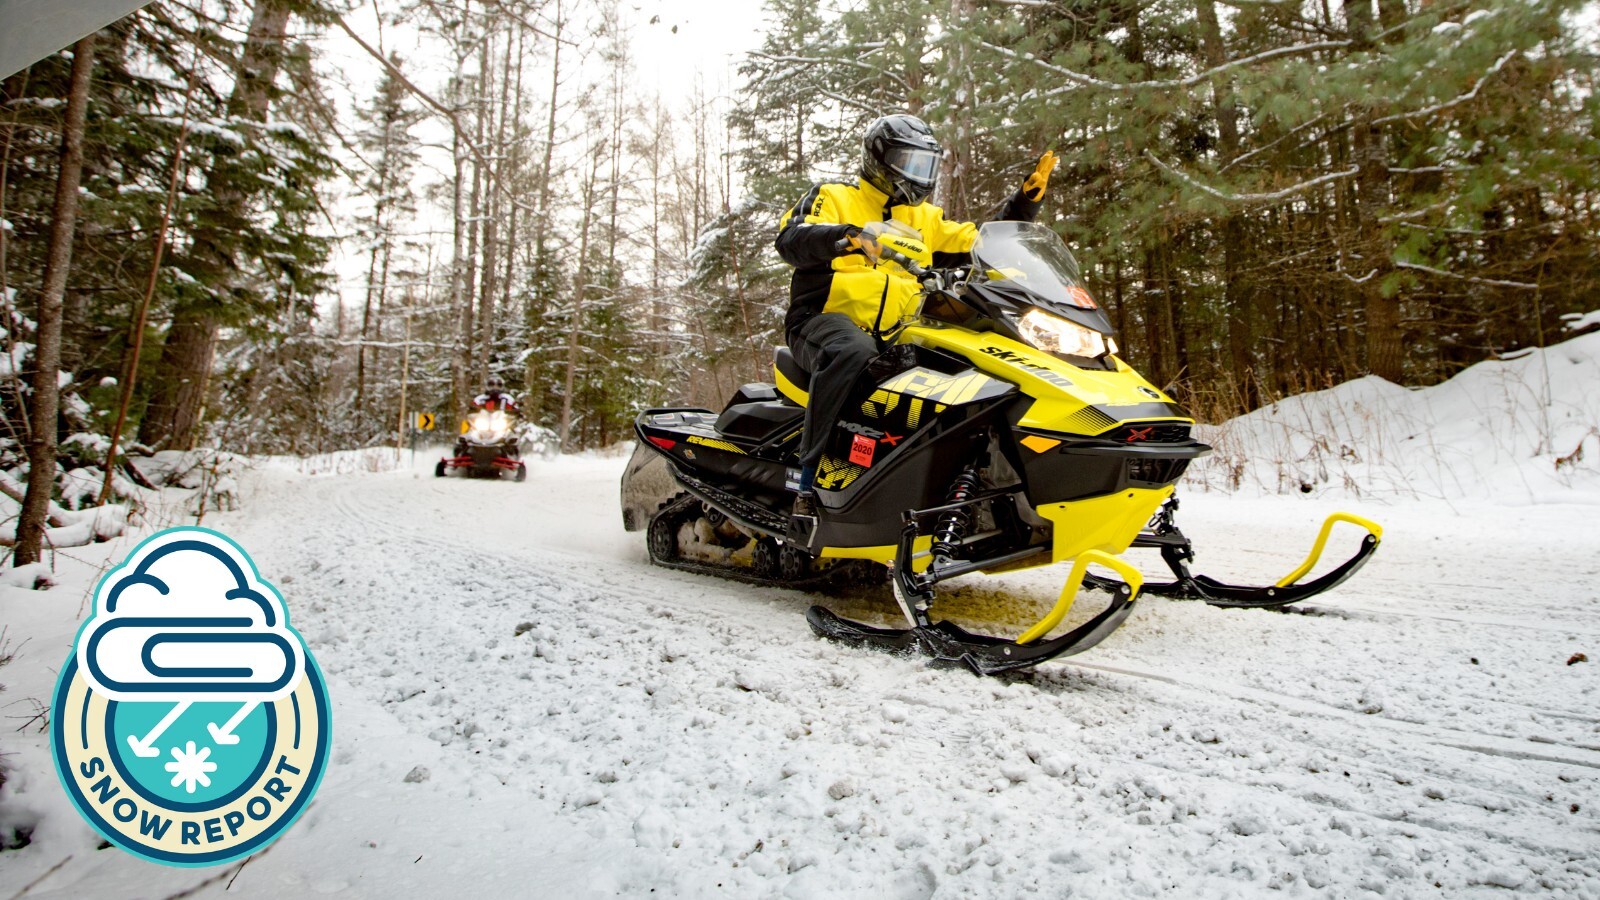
(875, 299)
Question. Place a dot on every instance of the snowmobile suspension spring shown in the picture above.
(953, 524)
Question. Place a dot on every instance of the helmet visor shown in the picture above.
(916, 165)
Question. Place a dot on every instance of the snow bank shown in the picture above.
(1518, 430)
(211, 474)
(31, 576)
(69, 528)
(1581, 322)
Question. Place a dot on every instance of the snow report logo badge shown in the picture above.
(190, 725)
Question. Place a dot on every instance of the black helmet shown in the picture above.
(900, 157)
(494, 383)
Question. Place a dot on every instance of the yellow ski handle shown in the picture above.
(1080, 567)
(1373, 528)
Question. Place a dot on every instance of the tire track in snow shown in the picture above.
(1357, 611)
(1494, 745)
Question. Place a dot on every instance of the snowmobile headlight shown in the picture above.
(1058, 335)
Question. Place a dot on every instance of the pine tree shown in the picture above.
(252, 166)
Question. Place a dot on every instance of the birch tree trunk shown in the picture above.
(579, 287)
(460, 293)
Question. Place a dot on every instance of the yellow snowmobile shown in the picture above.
(999, 431)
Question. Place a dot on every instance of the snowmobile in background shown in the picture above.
(487, 447)
(1000, 431)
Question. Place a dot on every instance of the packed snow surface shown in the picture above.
(665, 731)
(523, 706)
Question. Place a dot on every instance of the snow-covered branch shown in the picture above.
(1083, 80)
(1441, 107)
(840, 98)
(1251, 198)
(1523, 285)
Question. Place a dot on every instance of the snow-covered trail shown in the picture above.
(648, 732)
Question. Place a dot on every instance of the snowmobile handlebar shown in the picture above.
(930, 278)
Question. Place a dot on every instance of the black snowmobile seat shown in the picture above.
(755, 414)
(785, 363)
(759, 421)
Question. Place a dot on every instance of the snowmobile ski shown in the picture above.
(1178, 552)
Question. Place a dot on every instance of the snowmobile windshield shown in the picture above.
(918, 165)
(1031, 256)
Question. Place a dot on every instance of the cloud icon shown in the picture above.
(186, 617)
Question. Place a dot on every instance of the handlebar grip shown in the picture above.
(906, 262)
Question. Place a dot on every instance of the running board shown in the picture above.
(948, 644)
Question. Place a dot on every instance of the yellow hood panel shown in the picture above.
(1065, 395)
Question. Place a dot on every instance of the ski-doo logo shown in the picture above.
(190, 724)
(1040, 371)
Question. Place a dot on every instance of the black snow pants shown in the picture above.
(835, 351)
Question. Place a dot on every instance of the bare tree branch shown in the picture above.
(877, 70)
(447, 112)
(1259, 150)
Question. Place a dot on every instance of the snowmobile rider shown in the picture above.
(842, 306)
(494, 396)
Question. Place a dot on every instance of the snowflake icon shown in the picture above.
(190, 767)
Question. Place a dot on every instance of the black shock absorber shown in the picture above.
(953, 524)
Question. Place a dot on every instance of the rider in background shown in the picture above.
(842, 304)
(494, 396)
